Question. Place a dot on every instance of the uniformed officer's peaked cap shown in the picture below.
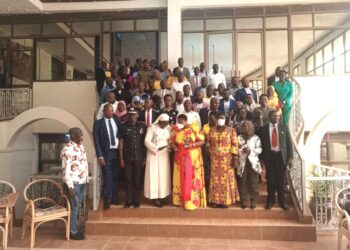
(132, 111)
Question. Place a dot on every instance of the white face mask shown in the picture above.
(221, 122)
(180, 126)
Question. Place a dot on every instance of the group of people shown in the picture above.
(190, 136)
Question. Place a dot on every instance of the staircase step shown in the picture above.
(233, 212)
(257, 229)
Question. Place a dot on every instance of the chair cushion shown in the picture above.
(49, 211)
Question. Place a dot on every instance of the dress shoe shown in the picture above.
(252, 206)
(116, 203)
(243, 206)
(127, 205)
(106, 205)
(268, 206)
(75, 236)
(214, 205)
(284, 207)
(136, 204)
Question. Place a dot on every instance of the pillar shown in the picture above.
(174, 32)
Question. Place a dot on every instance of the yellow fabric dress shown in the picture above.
(188, 178)
(223, 186)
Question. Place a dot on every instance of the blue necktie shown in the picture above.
(111, 133)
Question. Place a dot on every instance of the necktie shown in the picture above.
(111, 133)
(148, 119)
(274, 137)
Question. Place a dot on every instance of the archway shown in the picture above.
(16, 126)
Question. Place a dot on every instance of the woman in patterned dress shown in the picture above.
(223, 145)
(188, 178)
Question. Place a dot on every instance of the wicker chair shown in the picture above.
(45, 202)
(6, 215)
(344, 219)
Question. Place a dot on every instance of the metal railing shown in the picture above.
(296, 176)
(14, 101)
(323, 183)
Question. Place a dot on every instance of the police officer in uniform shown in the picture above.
(132, 156)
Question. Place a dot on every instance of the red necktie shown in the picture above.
(274, 137)
(148, 119)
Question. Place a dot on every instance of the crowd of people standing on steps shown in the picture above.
(189, 135)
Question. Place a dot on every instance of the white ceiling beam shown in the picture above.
(104, 6)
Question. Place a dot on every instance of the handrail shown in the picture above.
(296, 176)
(14, 101)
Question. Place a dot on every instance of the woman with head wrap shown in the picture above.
(157, 175)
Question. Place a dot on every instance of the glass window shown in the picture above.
(220, 52)
(276, 22)
(49, 59)
(319, 70)
(219, 12)
(304, 20)
(339, 64)
(56, 29)
(163, 46)
(319, 58)
(123, 25)
(276, 57)
(347, 58)
(219, 24)
(86, 28)
(309, 64)
(26, 29)
(163, 24)
(338, 46)
(347, 40)
(327, 53)
(80, 58)
(249, 55)
(107, 48)
(21, 44)
(328, 68)
(193, 49)
(106, 26)
(5, 30)
(193, 25)
(302, 48)
(21, 67)
(249, 23)
(147, 24)
(331, 19)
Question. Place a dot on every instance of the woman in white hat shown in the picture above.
(157, 174)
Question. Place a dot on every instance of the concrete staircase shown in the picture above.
(232, 223)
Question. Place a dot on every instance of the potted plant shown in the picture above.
(321, 195)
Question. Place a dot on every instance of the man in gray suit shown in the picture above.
(185, 70)
(277, 155)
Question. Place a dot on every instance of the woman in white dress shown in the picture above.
(157, 174)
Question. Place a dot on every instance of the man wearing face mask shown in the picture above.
(223, 148)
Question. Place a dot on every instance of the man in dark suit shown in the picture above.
(241, 94)
(148, 115)
(204, 112)
(122, 94)
(105, 132)
(277, 155)
(274, 78)
(226, 103)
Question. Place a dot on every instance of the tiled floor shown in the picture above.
(47, 238)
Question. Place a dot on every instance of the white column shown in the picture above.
(174, 32)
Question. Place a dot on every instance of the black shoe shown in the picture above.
(215, 205)
(127, 205)
(252, 206)
(75, 236)
(136, 204)
(224, 206)
(284, 207)
(268, 206)
(157, 203)
(116, 203)
(106, 205)
(82, 236)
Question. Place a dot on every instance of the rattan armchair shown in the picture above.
(341, 198)
(6, 213)
(45, 202)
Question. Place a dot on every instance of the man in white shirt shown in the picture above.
(180, 83)
(110, 100)
(250, 104)
(192, 116)
(202, 72)
(199, 104)
(179, 101)
(217, 77)
(75, 176)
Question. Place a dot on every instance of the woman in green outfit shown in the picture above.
(284, 89)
